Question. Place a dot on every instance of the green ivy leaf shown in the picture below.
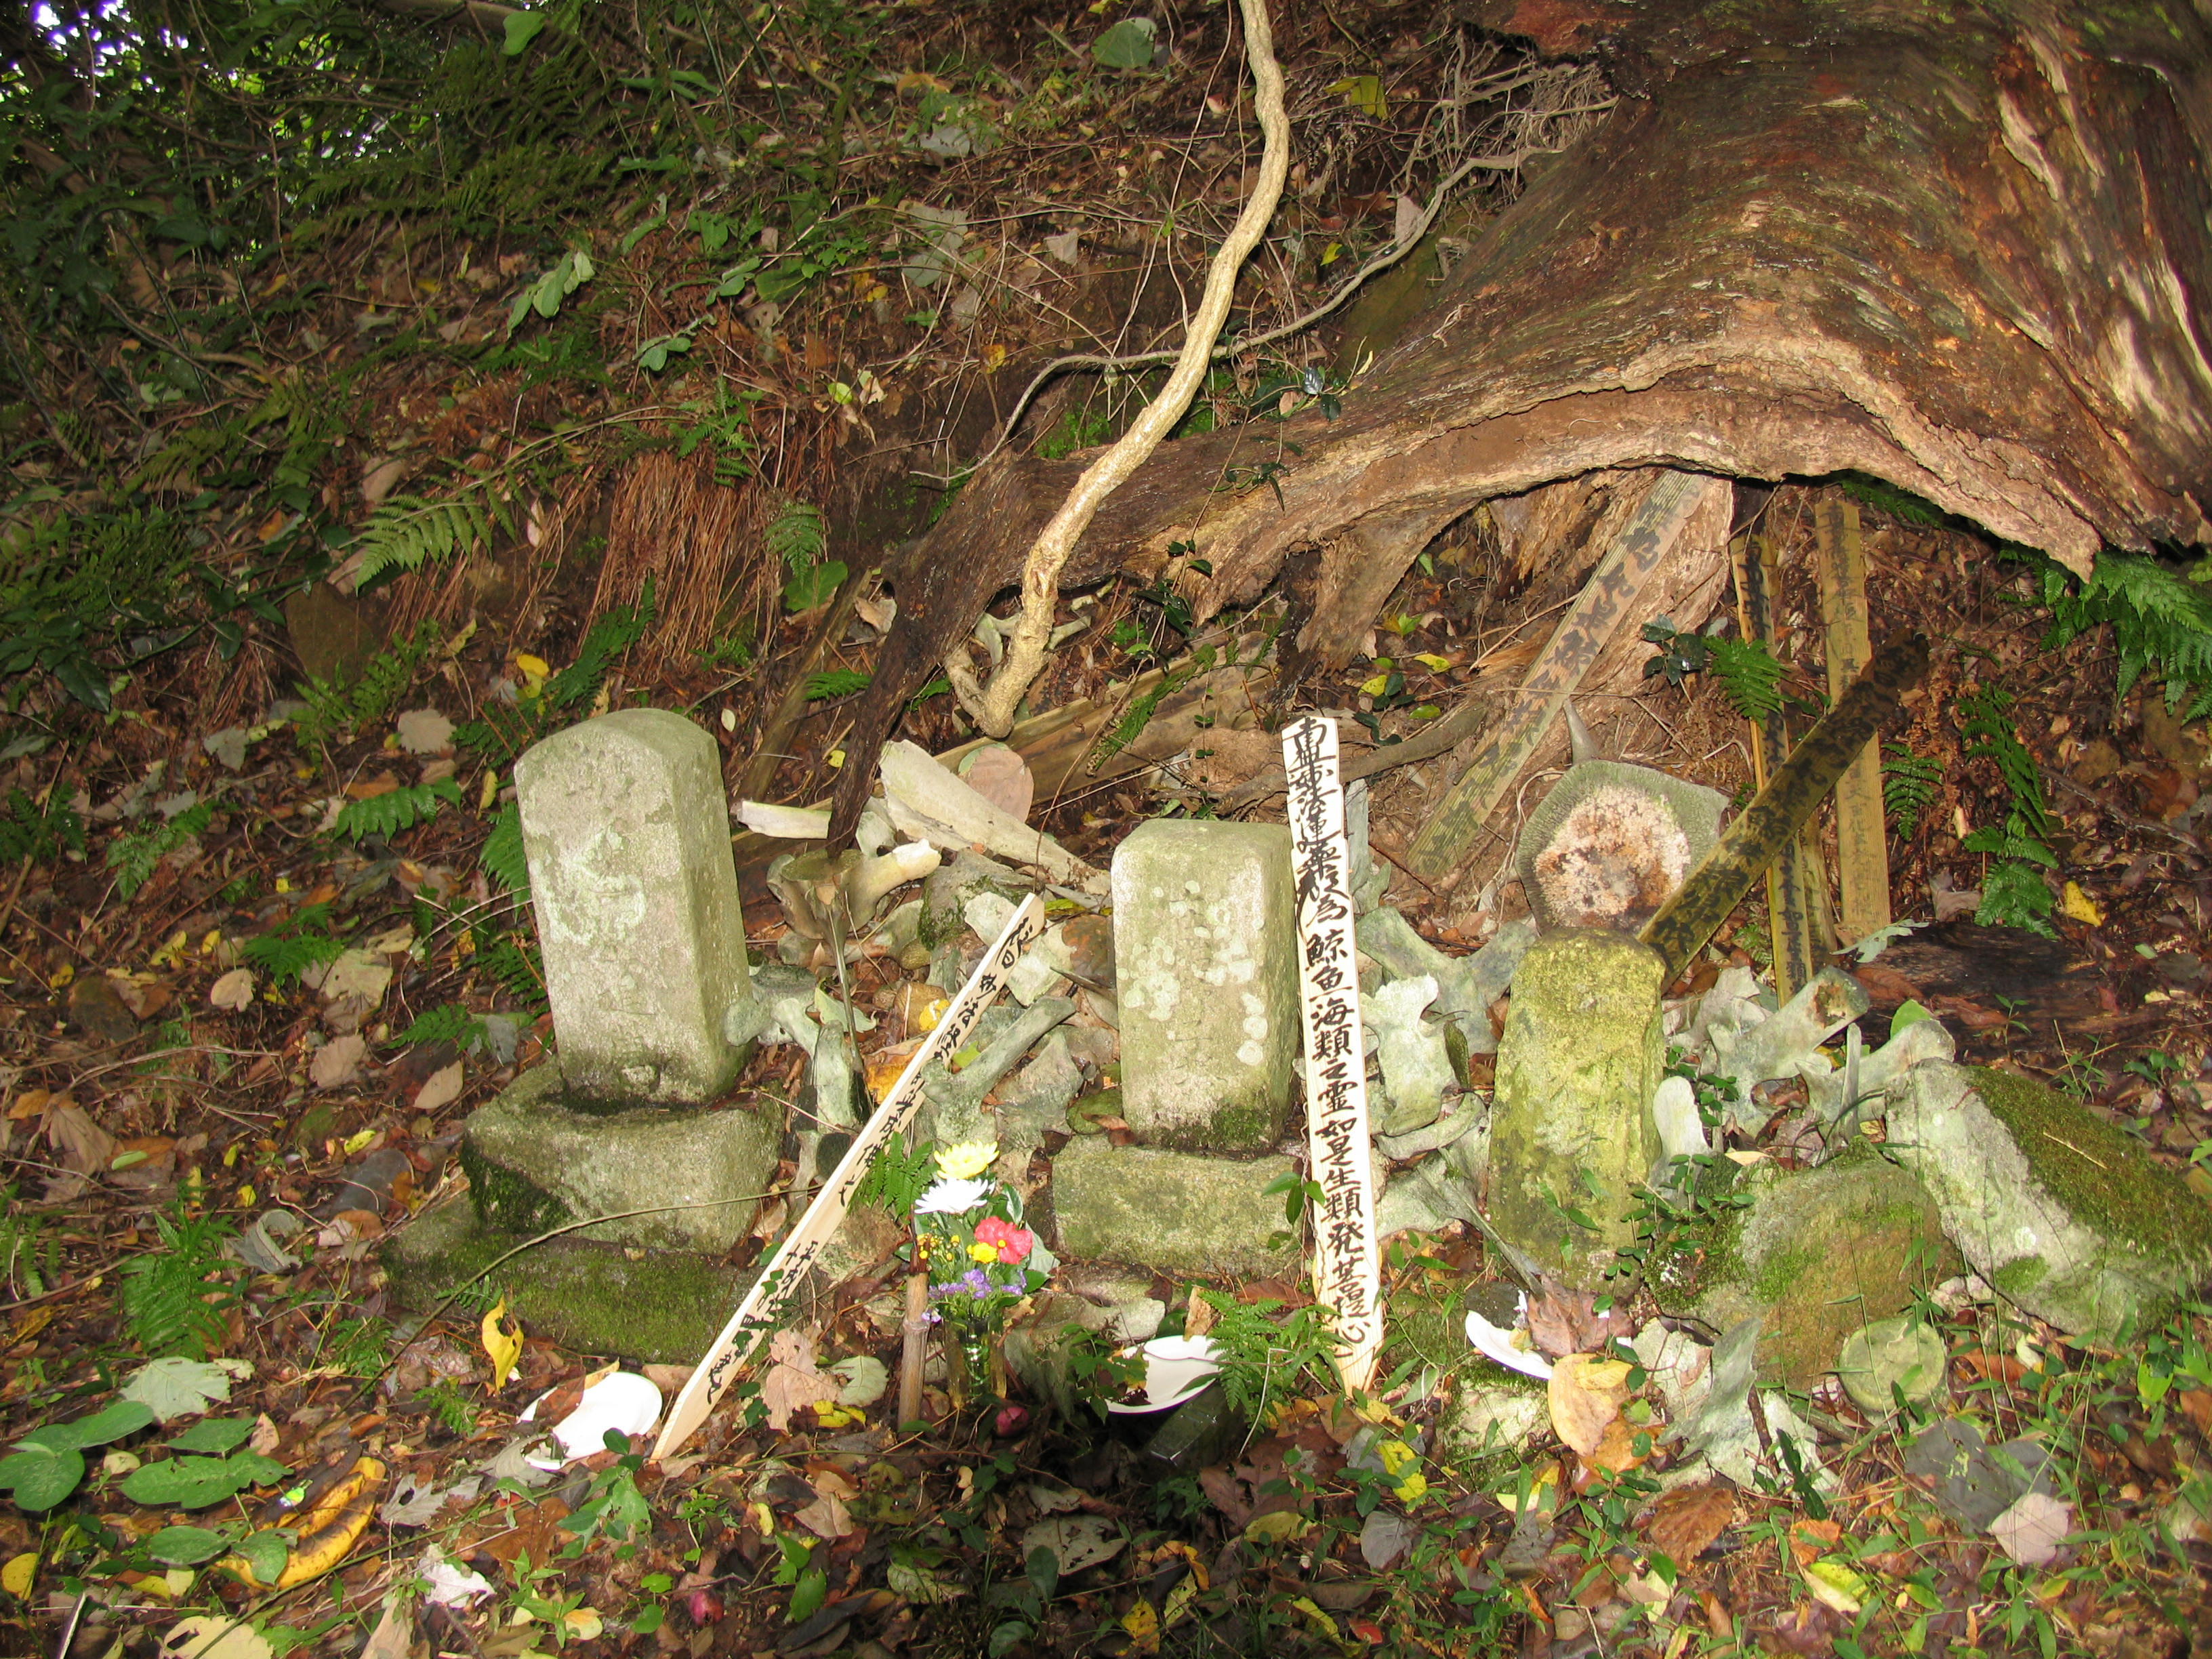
(522, 28)
(214, 1435)
(1131, 43)
(193, 1483)
(40, 1473)
(185, 1546)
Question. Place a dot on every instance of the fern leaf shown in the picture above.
(289, 949)
(1748, 674)
(387, 814)
(2014, 896)
(171, 1299)
(796, 535)
(1908, 785)
(837, 683)
(448, 1023)
(501, 857)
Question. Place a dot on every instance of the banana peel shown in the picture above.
(326, 1529)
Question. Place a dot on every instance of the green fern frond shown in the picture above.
(2014, 896)
(1908, 785)
(501, 857)
(407, 532)
(515, 965)
(387, 814)
(1985, 722)
(172, 1301)
(289, 949)
(2162, 619)
(796, 535)
(448, 1023)
(134, 854)
(28, 832)
(615, 632)
(1748, 674)
(837, 683)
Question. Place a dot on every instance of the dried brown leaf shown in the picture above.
(1564, 1322)
(1684, 1522)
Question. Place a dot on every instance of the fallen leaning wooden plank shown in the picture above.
(782, 1280)
(1605, 607)
(1347, 1268)
(1862, 832)
(1780, 811)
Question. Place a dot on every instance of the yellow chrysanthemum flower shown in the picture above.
(967, 1160)
(983, 1252)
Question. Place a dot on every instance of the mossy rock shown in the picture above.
(536, 1158)
(1570, 1129)
(1816, 1255)
(2063, 1213)
(659, 1307)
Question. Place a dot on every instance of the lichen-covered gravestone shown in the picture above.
(627, 836)
(1611, 843)
(1571, 1126)
(1204, 938)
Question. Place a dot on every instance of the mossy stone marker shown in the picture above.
(1572, 1133)
(628, 835)
(1204, 935)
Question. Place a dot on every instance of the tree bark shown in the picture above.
(1967, 249)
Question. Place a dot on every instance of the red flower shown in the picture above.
(1013, 1243)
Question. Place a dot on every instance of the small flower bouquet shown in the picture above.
(982, 1263)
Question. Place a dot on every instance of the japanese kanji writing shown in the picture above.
(1347, 1267)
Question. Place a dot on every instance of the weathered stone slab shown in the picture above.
(1173, 1212)
(664, 1308)
(534, 1162)
(628, 835)
(1611, 843)
(2055, 1208)
(1815, 1257)
(1205, 937)
(1571, 1126)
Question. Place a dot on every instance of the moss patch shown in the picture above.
(2102, 1176)
(664, 1310)
(505, 1200)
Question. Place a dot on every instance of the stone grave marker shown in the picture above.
(628, 835)
(1611, 842)
(1571, 1126)
(1204, 938)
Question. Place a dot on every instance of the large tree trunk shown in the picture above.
(1966, 250)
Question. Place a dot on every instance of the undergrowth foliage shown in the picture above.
(174, 1297)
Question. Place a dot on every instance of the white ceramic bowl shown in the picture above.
(1176, 1368)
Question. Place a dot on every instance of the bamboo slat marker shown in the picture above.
(1604, 606)
(765, 1304)
(1862, 833)
(1776, 815)
(1347, 1262)
(1789, 908)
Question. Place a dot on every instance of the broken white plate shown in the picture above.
(620, 1400)
(1176, 1368)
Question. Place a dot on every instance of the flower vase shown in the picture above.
(975, 1365)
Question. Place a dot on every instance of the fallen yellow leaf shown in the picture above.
(1375, 687)
(1432, 662)
(2080, 906)
(1585, 1394)
(501, 1348)
(15, 1577)
(1143, 1625)
(536, 668)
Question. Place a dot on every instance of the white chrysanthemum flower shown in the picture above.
(952, 1197)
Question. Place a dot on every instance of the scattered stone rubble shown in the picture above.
(1166, 1006)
